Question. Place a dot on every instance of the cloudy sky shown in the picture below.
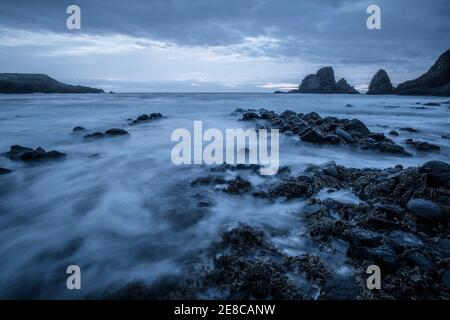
(220, 45)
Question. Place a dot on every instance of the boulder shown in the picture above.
(380, 84)
(438, 173)
(425, 209)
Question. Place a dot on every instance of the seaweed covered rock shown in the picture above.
(312, 128)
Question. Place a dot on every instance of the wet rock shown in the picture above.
(382, 255)
(438, 173)
(358, 126)
(248, 116)
(28, 154)
(78, 129)
(418, 259)
(4, 171)
(301, 186)
(109, 132)
(393, 133)
(363, 237)
(312, 266)
(312, 128)
(344, 135)
(238, 186)
(380, 84)
(390, 208)
(116, 132)
(409, 129)
(400, 240)
(146, 117)
(422, 145)
(432, 104)
(312, 135)
(95, 135)
(425, 209)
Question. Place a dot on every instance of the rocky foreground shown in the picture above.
(401, 223)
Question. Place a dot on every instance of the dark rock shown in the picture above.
(31, 83)
(389, 208)
(238, 186)
(394, 133)
(343, 87)
(422, 145)
(409, 129)
(28, 154)
(432, 104)
(358, 126)
(380, 84)
(418, 259)
(436, 81)
(77, 129)
(383, 255)
(4, 171)
(250, 116)
(344, 135)
(312, 135)
(363, 237)
(94, 135)
(146, 117)
(425, 209)
(401, 241)
(116, 132)
(438, 173)
(324, 82)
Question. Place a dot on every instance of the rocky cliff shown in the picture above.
(32, 83)
(436, 81)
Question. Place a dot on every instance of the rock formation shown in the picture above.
(381, 84)
(32, 83)
(323, 82)
(436, 81)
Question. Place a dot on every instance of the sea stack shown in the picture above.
(436, 81)
(324, 82)
(381, 84)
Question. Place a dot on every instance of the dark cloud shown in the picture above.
(327, 32)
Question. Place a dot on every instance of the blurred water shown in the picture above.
(121, 210)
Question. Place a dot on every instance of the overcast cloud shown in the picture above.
(219, 45)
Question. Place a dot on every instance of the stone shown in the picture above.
(425, 209)
(116, 132)
(78, 129)
(438, 173)
(364, 237)
(400, 240)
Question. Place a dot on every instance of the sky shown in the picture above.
(220, 45)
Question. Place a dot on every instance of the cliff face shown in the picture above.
(436, 81)
(324, 82)
(381, 84)
(32, 83)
